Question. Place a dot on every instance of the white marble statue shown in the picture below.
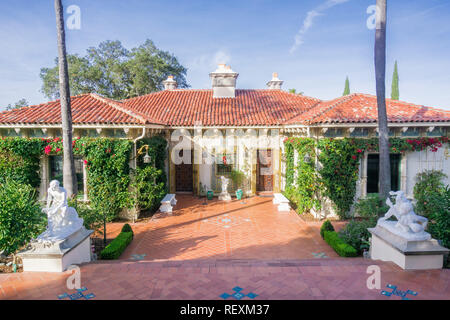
(224, 195)
(409, 224)
(225, 182)
(62, 219)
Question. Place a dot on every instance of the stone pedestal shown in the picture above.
(224, 196)
(57, 256)
(413, 252)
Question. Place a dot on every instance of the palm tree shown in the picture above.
(69, 176)
(380, 74)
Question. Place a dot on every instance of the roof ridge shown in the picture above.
(43, 104)
(334, 105)
(112, 103)
(298, 95)
(305, 111)
(402, 101)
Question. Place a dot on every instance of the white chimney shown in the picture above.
(275, 83)
(170, 83)
(224, 82)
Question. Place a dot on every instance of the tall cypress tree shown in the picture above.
(395, 92)
(347, 87)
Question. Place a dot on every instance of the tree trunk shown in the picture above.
(380, 73)
(69, 176)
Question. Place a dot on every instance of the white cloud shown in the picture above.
(309, 20)
(210, 61)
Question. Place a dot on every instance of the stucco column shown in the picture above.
(253, 153)
(403, 173)
(363, 175)
(276, 153)
(45, 174)
(172, 186)
(85, 183)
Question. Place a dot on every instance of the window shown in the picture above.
(411, 132)
(224, 164)
(56, 171)
(359, 132)
(334, 132)
(37, 133)
(373, 162)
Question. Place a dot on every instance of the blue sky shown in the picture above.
(256, 37)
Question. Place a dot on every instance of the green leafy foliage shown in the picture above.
(115, 72)
(21, 218)
(117, 246)
(371, 207)
(19, 104)
(439, 225)
(304, 192)
(19, 160)
(339, 173)
(336, 175)
(433, 201)
(326, 226)
(127, 228)
(355, 233)
(108, 175)
(149, 192)
(395, 92)
(428, 183)
(342, 249)
(347, 87)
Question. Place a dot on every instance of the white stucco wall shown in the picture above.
(425, 160)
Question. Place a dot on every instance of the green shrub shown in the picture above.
(371, 207)
(439, 224)
(127, 228)
(117, 246)
(149, 192)
(20, 159)
(428, 183)
(355, 233)
(326, 226)
(21, 218)
(343, 249)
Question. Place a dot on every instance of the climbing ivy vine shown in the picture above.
(336, 173)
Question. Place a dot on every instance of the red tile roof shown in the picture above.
(362, 108)
(86, 109)
(249, 108)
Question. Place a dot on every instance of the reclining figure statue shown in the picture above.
(403, 210)
(62, 219)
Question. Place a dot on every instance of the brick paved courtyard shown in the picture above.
(233, 230)
(202, 252)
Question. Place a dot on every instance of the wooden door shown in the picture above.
(264, 173)
(183, 176)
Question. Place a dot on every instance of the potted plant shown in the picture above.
(238, 178)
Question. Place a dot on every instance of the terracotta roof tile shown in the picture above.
(248, 108)
(86, 109)
(362, 108)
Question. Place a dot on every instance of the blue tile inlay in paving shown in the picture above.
(399, 293)
(77, 295)
(138, 257)
(238, 295)
(319, 255)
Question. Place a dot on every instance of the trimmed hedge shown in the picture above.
(326, 226)
(127, 228)
(343, 249)
(117, 246)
